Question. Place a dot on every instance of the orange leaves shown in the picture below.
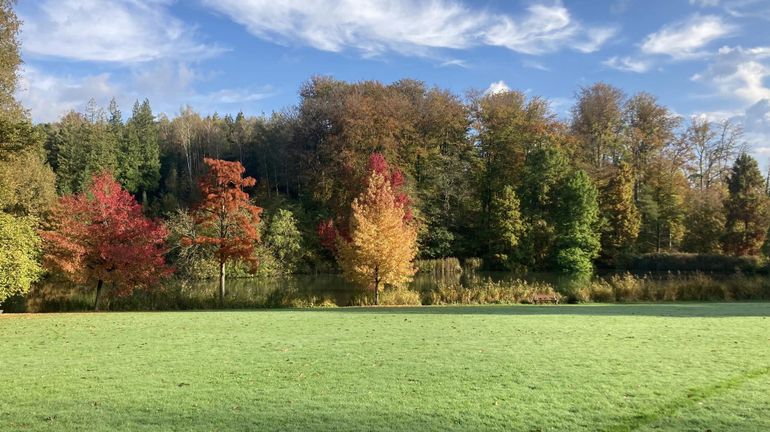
(226, 217)
(382, 243)
(102, 235)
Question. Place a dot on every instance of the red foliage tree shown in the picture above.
(101, 236)
(226, 217)
(329, 230)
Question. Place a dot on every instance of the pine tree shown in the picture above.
(140, 151)
(746, 209)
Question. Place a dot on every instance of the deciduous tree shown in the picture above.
(228, 222)
(19, 255)
(621, 220)
(101, 236)
(382, 239)
(576, 224)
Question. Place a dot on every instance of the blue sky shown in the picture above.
(700, 57)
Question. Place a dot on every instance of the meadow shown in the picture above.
(673, 366)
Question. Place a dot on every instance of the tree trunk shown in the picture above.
(222, 284)
(376, 293)
(98, 291)
(376, 286)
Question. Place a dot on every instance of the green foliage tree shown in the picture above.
(82, 144)
(10, 59)
(19, 255)
(746, 209)
(284, 240)
(620, 217)
(506, 226)
(576, 218)
(542, 174)
(705, 221)
(139, 155)
(661, 204)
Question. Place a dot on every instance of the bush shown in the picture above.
(488, 292)
(696, 286)
(400, 297)
(688, 262)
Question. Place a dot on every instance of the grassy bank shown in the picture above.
(573, 367)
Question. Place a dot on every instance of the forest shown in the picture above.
(496, 176)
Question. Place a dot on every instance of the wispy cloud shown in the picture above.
(685, 39)
(705, 3)
(123, 31)
(628, 64)
(738, 72)
(374, 27)
(168, 86)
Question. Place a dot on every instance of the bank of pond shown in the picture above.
(437, 286)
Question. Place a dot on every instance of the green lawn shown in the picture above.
(597, 367)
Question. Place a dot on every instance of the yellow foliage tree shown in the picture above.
(382, 242)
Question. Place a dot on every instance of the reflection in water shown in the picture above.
(335, 287)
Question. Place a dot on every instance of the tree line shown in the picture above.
(493, 175)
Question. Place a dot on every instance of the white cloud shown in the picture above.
(373, 27)
(168, 86)
(535, 65)
(122, 31)
(48, 96)
(748, 8)
(756, 126)
(497, 87)
(627, 64)
(705, 3)
(739, 73)
(685, 39)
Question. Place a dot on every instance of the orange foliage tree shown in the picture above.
(226, 218)
(101, 236)
(382, 238)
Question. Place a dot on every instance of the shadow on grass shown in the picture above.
(680, 310)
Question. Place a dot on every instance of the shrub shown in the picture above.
(400, 297)
(488, 292)
(689, 262)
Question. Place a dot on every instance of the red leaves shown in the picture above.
(227, 217)
(395, 177)
(329, 231)
(102, 235)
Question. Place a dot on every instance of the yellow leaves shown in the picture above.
(382, 245)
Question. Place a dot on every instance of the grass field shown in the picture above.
(596, 367)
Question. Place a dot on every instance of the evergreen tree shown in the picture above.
(140, 151)
(576, 216)
(746, 209)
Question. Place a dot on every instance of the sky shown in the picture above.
(699, 57)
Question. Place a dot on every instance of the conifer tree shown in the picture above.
(746, 209)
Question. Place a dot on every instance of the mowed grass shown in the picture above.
(596, 367)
